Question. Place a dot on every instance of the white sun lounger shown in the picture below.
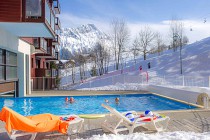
(75, 125)
(159, 124)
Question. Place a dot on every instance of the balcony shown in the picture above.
(51, 51)
(40, 45)
(56, 5)
(30, 18)
(57, 40)
(50, 54)
(55, 55)
(57, 23)
(42, 72)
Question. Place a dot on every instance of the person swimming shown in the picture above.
(66, 99)
(117, 100)
(71, 100)
(106, 100)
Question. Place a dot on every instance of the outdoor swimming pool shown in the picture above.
(91, 104)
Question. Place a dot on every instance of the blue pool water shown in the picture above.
(90, 104)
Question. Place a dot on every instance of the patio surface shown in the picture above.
(186, 120)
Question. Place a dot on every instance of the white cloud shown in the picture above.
(199, 31)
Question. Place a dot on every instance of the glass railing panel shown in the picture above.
(54, 72)
(47, 73)
(43, 44)
(33, 8)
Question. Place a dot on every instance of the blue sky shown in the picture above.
(135, 12)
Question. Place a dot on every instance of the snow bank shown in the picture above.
(158, 136)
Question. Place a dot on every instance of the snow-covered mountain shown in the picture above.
(82, 38)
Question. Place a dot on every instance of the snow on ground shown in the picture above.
(165, 70)
(117, 86)
(158, 136)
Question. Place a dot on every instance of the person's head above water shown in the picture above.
(71, 99)
(106, 100)
(117, 100)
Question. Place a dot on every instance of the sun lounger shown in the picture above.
(31, 125)
(75, 124)
(159, 124)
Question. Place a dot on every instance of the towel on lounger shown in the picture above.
(36, 123)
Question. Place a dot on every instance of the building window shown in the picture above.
(1, 65)
(8, 68)
(1, 73)
(11, 58)
(11, 72)
(33, 8)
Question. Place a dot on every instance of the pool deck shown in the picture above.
(186, 120)
(79, 93)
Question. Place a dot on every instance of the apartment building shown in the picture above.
(29, 37)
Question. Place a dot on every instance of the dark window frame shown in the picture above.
(5, 65)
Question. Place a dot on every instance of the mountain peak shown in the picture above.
(82, 38)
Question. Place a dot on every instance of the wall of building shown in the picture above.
(8, 41)
(12, 43)
(11, 10)
(24, 72)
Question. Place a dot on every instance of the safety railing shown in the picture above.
(139, 80)
(43, 83)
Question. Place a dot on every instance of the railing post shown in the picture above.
(164, 78)
(183, 84)
(141, 80)
(206, 102)
(112, 80)
(209, 81)
(43, 83)
(32, 84)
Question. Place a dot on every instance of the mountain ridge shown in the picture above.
(82, 38)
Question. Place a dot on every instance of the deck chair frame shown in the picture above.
(130, 126)
(13, 135)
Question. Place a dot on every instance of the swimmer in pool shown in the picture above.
(71, 100)
(117, 100)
